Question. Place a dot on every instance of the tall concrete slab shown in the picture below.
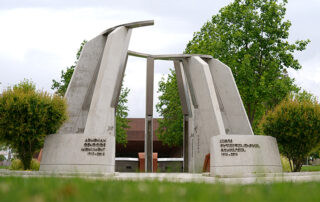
(84, 75)
(101, 117)
(207, 120)
(233, 112)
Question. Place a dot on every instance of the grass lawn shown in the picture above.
(310, 168)
(4, 167)
(75, 189)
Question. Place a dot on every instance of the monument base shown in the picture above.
(78, 153)
(238, 155)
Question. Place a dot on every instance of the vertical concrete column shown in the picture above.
(186, 110)
(148, 140)
(185, 143)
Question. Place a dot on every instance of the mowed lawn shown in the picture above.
(310, 168)
(75, 189)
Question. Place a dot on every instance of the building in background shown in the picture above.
(136, 141)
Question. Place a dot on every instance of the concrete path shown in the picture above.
(175, 177)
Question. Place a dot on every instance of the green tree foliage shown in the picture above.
(250, 36)
(121, 117)
(169, 107)
(121, 111)
(27, 116)
(2, 157)
(295, 123)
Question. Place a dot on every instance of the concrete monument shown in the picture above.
(215, 120)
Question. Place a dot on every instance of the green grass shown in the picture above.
(4, 167)
(310, 168)
(75, 189)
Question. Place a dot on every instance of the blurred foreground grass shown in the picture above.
(75, 189)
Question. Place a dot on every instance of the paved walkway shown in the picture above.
(176, 177)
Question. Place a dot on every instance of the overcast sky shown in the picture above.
(39, 38)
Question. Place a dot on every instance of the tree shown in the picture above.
(121, 110)
(121, 117)
(295, 123)
(27, 116)
(250, 36)
(170, 129)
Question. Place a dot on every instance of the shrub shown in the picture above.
(285, 164)
(27, 116)
(35, 165)
(2, 157)
(295, 123)
(16, 164)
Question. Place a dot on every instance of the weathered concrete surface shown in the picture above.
(101, 115)
(206, 120)
(234, 115)
(84, 76)
(238, 155)
(63, 152)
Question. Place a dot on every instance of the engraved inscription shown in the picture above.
(94, 146)
(229, 148)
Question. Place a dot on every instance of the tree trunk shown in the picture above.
(297, 165)
(9, 155)
(25, 157)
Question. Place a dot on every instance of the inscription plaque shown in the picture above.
(94, 146)
(229, 148)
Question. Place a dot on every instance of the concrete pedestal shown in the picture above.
(78, 153)
(238, 155)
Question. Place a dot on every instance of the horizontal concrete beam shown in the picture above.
(130, 26)
(167, 56)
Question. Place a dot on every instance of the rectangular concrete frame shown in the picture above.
(234, 115)
(207, 120)
(265, 159)
(60, 156)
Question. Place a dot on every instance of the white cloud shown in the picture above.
(308, 78)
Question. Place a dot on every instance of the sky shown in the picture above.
(39, 38)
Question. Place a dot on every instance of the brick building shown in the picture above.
(136, 141)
